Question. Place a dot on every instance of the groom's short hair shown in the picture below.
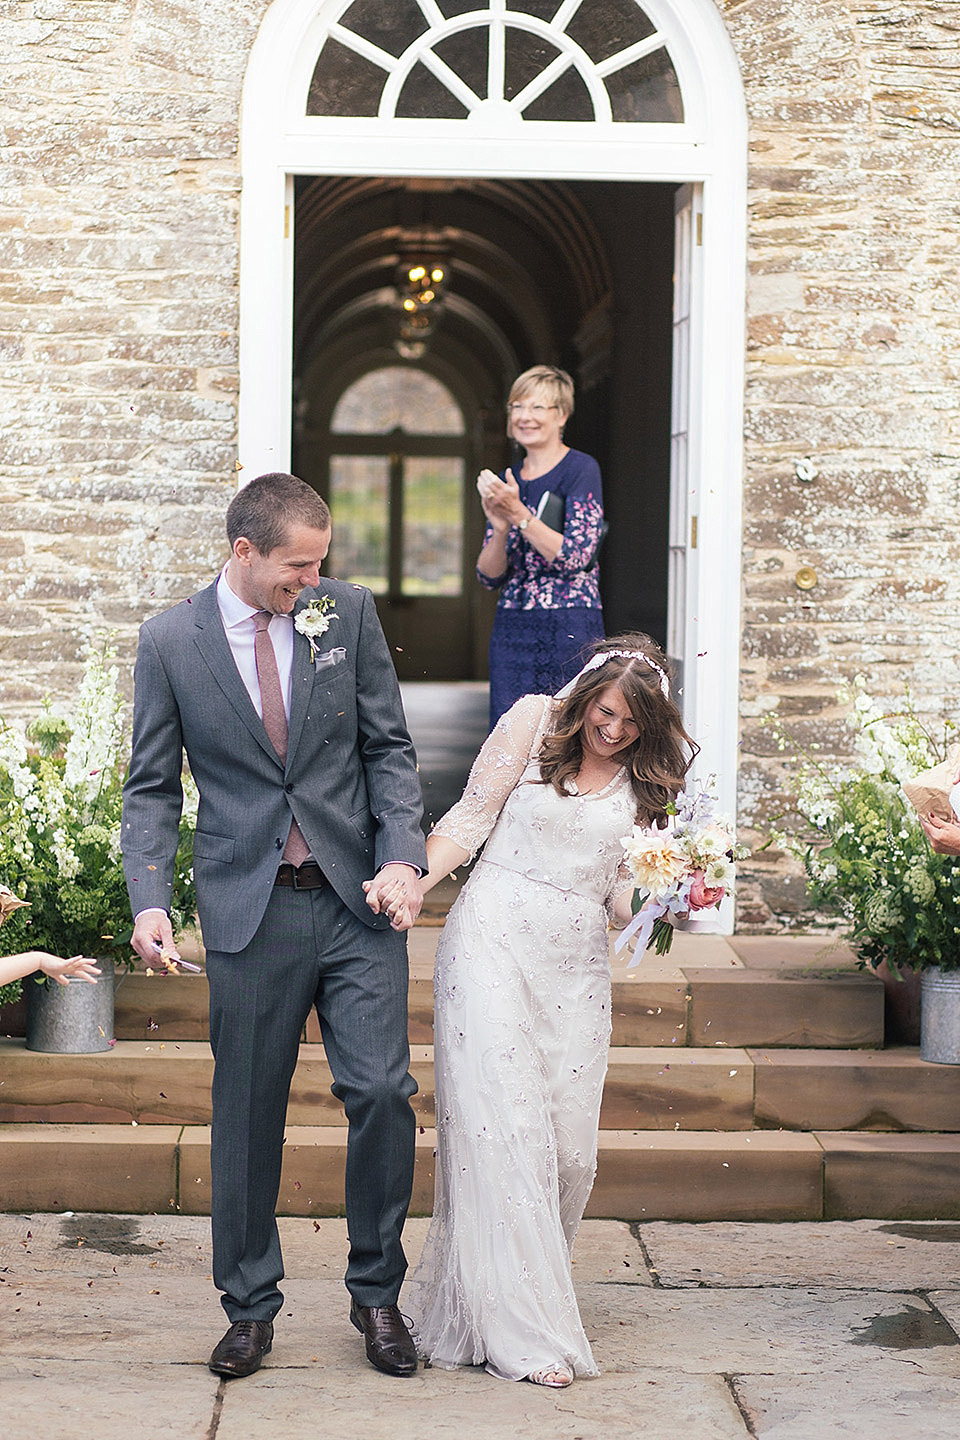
(264, 510)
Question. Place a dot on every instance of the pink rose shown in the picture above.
(701, 895)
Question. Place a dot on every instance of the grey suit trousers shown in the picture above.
(309, 950)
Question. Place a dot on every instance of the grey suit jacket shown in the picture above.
(350, 777)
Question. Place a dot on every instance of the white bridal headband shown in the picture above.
(596, 661)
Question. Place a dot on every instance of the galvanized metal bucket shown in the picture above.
(71, 1019)
(940, 1016)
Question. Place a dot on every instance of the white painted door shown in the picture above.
(529, 88)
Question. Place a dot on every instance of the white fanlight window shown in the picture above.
(582, 60)
(611, 90)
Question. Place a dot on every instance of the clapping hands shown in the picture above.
(499, 498)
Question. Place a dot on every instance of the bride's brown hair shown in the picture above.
(661, 755)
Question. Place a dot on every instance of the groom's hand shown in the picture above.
(153, 936)
(395, 891)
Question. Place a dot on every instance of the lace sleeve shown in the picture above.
(503, 758)
(622, 887)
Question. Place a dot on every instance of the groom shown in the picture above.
(296, 739)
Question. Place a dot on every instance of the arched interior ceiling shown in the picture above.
(576, 273)
(527, 277)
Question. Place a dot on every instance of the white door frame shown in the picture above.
(708, 151)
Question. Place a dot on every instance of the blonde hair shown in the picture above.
(556, 383)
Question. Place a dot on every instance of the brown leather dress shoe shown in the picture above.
(387, 1341)
(242, 1348)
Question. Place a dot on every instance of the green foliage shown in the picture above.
(866, 857)
(60, 842)
(10, 993)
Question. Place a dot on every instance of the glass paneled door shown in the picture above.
(397, 480)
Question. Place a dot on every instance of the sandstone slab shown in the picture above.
(866, 1254)
(785, 1008)
(471, 1405)
(849, 1407)
(774, 1331)
(695, 1175)
(855, 1090)
(108, 1401)
(128, 1168)
(900, 1177)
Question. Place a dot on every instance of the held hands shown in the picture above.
(944, 837)
(395, 891)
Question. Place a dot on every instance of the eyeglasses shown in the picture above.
(536, 411)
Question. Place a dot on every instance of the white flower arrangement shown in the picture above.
(866, 857)
(314, 620)
(61, 783)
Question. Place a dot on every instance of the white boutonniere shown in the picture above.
(314, 621)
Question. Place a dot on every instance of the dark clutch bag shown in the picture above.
(553, 511)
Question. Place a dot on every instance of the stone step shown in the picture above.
(689, 1006)
(162, 1082)
(710, 990)
(659, 1088)
(642, 1175)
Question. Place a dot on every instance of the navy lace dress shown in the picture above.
(549, 611)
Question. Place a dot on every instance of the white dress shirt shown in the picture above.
(237, 617)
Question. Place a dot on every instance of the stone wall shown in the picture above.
(118, 318)
(853, 355)
(118, 347)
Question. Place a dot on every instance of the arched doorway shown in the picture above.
(528, 93)
(391, 456)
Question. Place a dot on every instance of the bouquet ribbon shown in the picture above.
(642, 926)
(646, 918)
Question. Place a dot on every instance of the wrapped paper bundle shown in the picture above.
(9, 903)
(931, 793)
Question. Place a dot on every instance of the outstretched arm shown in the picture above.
(505, 754)
(463, 829)
(14, 967)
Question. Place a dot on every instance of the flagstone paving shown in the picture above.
(702, 1332)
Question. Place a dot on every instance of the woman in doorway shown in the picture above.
(522, 1006)
(549, 610)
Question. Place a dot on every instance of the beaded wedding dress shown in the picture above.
(522, 1019)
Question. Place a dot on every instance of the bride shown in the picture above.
(522, 1006)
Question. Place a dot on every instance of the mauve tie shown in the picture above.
(296, 849)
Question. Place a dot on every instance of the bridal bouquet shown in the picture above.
(687, 867)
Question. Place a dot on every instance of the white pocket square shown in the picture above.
(326, 658)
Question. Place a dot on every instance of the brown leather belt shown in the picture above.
(307, 876)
